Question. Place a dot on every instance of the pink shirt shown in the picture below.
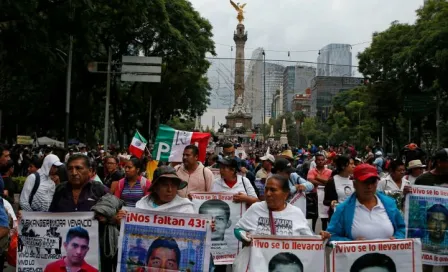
(313, 173)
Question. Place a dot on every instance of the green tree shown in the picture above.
(34, 42)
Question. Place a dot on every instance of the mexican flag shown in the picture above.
(138, 144)
(170, 144)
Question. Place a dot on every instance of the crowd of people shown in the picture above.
(357, 189)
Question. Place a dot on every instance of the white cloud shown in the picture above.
(296, 25)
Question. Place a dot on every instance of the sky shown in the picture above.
(300, 25)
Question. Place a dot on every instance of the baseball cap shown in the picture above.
(58, 163)
(268, 157)
(363, 172)
(166, 172)
(229, 161)
(282, 165)
(442, 154)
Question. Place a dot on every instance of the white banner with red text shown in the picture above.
(403, 255)
(279, 253)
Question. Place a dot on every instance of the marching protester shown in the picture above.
(231, 182)
(79, 193)
(296, 183)
(366, 214)
(133, 186)
(263, 218)
(112, 171)
(340, 186)
(34, 165)
(415, 169)
(318, 176)
(163, 193)
(267, 162)
(198, 177)
(9, 185)
(38, 190)
(394, 181)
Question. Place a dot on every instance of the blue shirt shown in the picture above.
(4, 220)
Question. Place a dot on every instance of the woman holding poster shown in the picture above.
(274, 216)
(340, 186)
(366, 215)
(231, 182)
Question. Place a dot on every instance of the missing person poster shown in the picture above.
(426, 217)
(323, 210)
(226, 213)
(291, 254)
(51, 241)
(160, 241)
(402, 255)
(299, 200)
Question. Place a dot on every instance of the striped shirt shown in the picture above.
(130, 195)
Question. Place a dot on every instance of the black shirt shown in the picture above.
(89, 196)
(115, 176)
(430, 179)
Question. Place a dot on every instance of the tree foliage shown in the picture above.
(34, 42)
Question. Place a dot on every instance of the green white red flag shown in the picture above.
(138, 145)
(170, 144)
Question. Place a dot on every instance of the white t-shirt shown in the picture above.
(409, 179)
(289, 222)
(178, 205)
(388, 184)
(371, 224)
(344, 187)
(219, 186)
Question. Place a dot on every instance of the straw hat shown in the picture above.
(287, 154)
(416, 164)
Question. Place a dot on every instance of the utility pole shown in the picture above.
(106, 119)
(68, 91)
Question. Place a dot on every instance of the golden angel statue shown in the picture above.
(240, 9)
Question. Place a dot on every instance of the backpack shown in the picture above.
(35, 187)
(144, 183)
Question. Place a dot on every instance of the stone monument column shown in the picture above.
(240, 38)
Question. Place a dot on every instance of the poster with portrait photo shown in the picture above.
(226, 213)
(401, 255)
(287, 254)
(426, 217)
(161, 241)
(299, 200)
(49, 241)
(322, 209)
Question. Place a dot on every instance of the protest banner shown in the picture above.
(426, 217)
(292, 254)
(226, 214)
(170, 144)
(47, 241)
(403, 255)
(146, 237)
(299, 200)
(322, 209)
(24, 140)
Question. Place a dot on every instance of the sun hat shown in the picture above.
(415, 164)
(166, 172)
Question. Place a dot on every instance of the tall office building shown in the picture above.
(335, 60)
(254, 93)
(296, 79)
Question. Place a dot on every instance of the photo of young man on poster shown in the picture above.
(220, 211)
(373, 262)
(285, 262)
(163, 255)
(76, 247)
